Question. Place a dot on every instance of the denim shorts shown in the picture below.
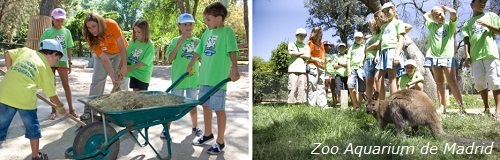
(217, 101)
(29, 118)
(191, 93)
(370, 68)
(386, 60)
(355, 80)
(440, 62)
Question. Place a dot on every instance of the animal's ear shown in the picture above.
(365, 97)
(375, 96)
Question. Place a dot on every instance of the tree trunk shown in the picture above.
(46, 7)
(245, 16)
(180, 4)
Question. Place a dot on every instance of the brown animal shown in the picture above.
(405, 108)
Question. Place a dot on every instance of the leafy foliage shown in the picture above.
(270, 79)
(279, 58)
(14, 14)
(343, 16)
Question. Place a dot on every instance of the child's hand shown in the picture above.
(376, 60)
(467, 62)
(62, 111)
(396, 60)
(234, 74)
(481, 22)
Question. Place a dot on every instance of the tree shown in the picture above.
(14, 14)
(127, 10)
(245, 14)
(235, 19)
(343, 16)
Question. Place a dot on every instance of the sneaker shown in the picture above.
(215, 149)
(202, 140)
(163, 134)
(197, 131)
(441, 110)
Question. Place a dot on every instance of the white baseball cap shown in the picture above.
(300, 31)
(185, 18)
(411, 62)
(387, 5)
(358, 34)
(53, 45)
(341, 44)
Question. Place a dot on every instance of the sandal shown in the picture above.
(53, 116)
(73, 113)
(41, 156)
(496, 117)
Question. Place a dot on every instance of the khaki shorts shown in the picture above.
(486, 74)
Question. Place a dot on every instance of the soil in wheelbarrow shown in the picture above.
(128, 100)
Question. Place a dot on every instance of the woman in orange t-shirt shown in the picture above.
(316, 83)
(106, 40)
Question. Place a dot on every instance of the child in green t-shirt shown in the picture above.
(140, 56)
(180, 52)
(218, 51)
(440, 54)
(29, 70)
(481, 48)
(413, 79)
(62, 35)
(391, 46)
(340, 66)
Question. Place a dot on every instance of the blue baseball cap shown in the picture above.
(185, 18)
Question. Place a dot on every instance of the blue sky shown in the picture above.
(275, 21)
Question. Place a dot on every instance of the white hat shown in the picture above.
(341, 44)
(300, 31)
(411, 62)
(185, 18)
(358, 34)
(387, 5)
(53, 45)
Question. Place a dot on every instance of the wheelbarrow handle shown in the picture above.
(176, 82)
(214, 89)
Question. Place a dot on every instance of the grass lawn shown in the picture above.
(302, 132)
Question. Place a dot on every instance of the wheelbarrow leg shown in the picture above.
(169, 148)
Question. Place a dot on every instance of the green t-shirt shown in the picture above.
(30, 71)
(62, 36)
(342, 71)
(329, 63)
(181, 60)
(405, 79)
(441, 42)
(144, 52)
(481, 39)
(372, 53)
(390, 33)
(214, 48)
(357, 54)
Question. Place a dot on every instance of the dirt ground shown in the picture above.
(58, 135)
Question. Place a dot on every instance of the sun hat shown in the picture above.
(411, 62)
(358, 34)
(53, 45)
(387, 5)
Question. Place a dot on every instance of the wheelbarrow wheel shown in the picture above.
(91, 138)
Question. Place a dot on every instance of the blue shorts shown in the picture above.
(370, 68)
(29, 118)
(355, 80)
(191, 93)
(217, 101)
(440, 62)
(386, 60)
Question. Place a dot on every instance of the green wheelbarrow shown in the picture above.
(99, 140)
